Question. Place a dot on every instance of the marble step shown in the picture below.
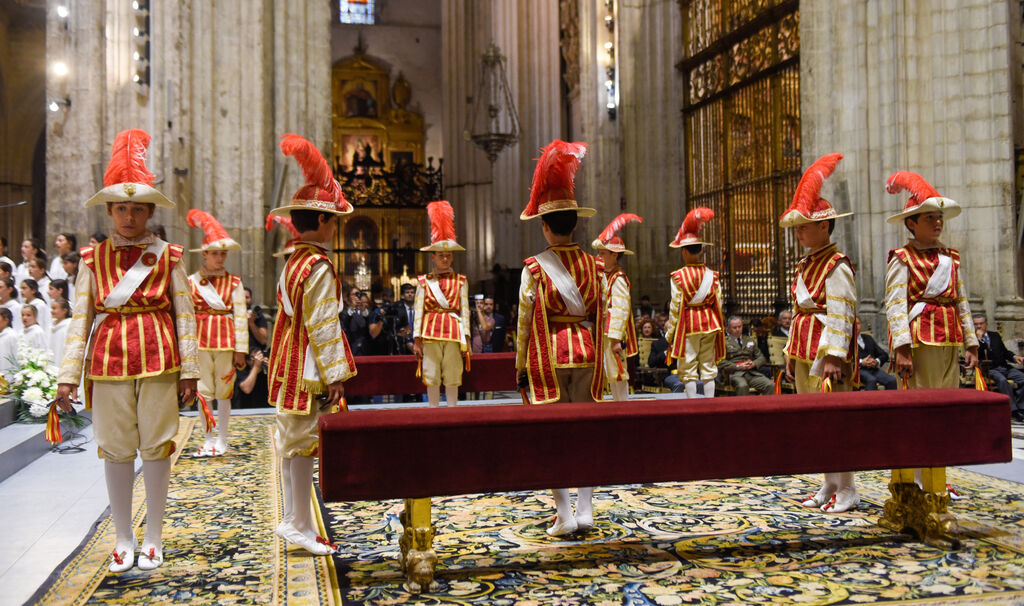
(23, 443)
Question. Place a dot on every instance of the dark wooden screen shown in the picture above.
(741, 110)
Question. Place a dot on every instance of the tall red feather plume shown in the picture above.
(315, 168)
(808, 190)
(442, 221)
(920, 190)
(284, 222)
(695, 219)
(211, 227)
(556, 169)
(617, 224)
(128, 159)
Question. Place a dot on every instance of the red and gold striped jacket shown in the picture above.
(548, 337)
(289, 389)
(617, 321)
(939, 323)
(431, 320)
(695, 319)
(137, 339)
(806, 329)
(216, 328)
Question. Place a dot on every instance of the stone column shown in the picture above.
(923, 87)
(479, 220)
(651, 124)
(488, 199)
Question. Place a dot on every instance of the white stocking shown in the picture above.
(223, 420)
(451, 394)
(620, 390)
(565, 523)
(434, 395)
(288, 515)
(709, 388)
(302, 486)
(119, 478)
(585, 508)
(691, 389)
(157, 476)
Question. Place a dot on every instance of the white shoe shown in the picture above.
(122, 560)
(151, 558)
(821, 499)
(316, 545)
(219, 447)
(844, 500)
(560, 528)
(954, 494)
(206, 450)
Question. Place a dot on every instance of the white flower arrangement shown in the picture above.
(34, 386)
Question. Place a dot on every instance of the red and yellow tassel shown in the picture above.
(979, 380)
(207, 414)
(826, 385)
(778, 383)
(53, 435)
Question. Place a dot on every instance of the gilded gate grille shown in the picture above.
(741, 112)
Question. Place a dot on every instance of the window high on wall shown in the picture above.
(359, 12)
(741, 110)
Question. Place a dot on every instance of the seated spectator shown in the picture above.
(742, 359)
(785, 320)
(660, 319)
(872, 362)
(659, 350)
(992, 349)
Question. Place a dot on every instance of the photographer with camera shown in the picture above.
(257, 322)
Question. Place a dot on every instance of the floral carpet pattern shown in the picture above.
(743, 541)
(219, 547)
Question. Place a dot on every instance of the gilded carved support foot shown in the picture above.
(922, 511)
(418, 559)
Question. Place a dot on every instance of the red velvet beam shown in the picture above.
(384, 454)
(397, 375)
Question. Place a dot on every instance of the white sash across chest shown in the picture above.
(129, 283)
(208, 292)
(937, 284)
(435, 289)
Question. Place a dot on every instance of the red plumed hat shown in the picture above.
(321, 191)
(609, 240)
(442, 227)
(923, 197)
(808, 206)
(285, 222)
(554, 181)
(215, 236)
(127, 179)
(689, 231)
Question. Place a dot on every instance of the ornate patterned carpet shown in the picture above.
(719, 542)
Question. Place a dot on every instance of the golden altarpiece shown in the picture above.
(741, 111)
(377, 153)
